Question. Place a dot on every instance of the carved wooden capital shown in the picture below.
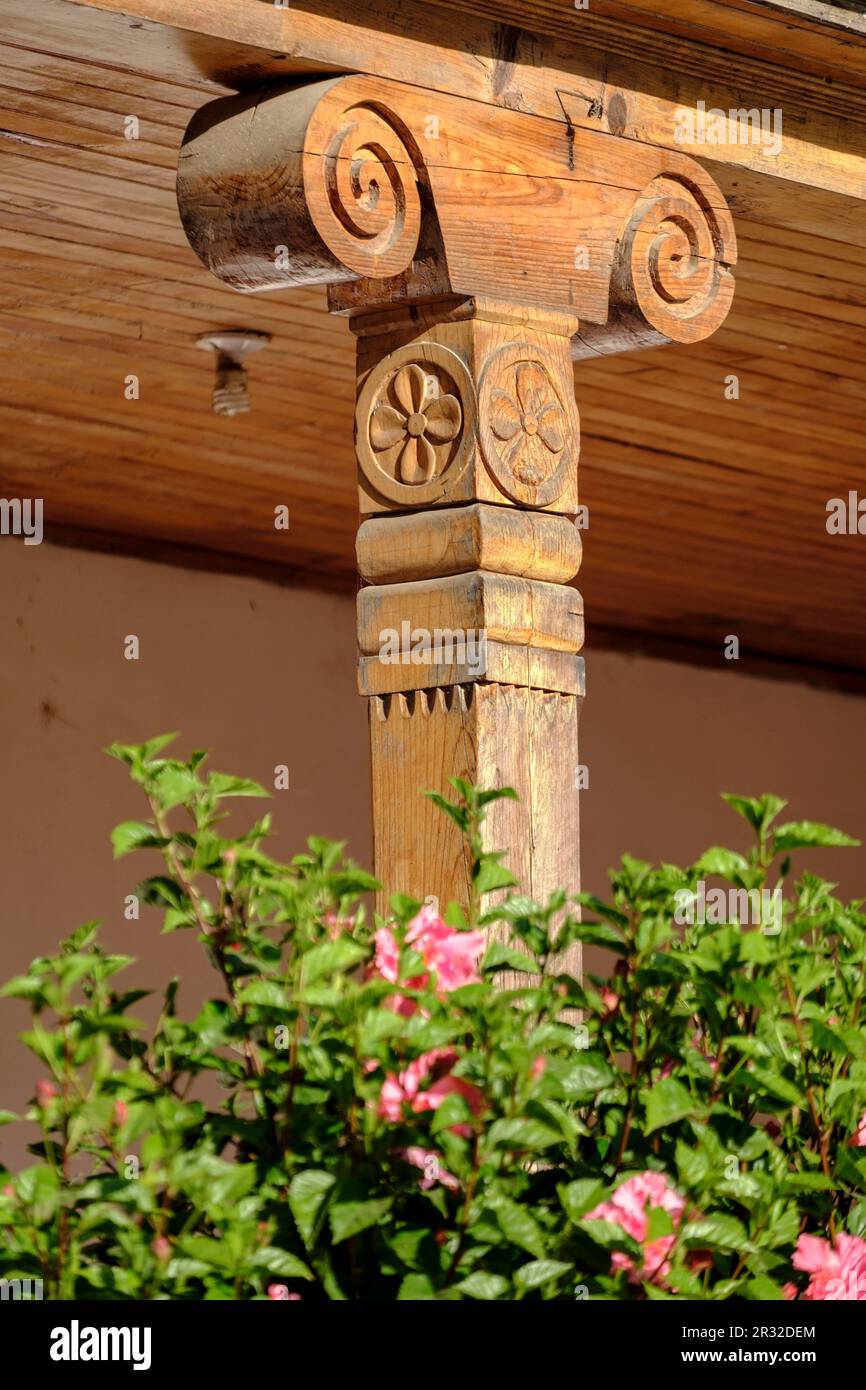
(387, 192)
(476, 250)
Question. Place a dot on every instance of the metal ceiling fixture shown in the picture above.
(231, 392)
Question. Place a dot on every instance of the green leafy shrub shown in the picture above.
(393, 1125)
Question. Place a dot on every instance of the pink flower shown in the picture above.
(611, 1001)
(120, 1114)
(280, 1294)
(453, 954)
(629, 1207)
(537, 1068)
(161, 1247)
(46, 1091)
(387, 958)
(405, 1088)
(860, 1136)
(428, 1161)
(838, 1271)
(336, 924)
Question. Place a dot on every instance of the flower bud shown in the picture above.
(46, 1091)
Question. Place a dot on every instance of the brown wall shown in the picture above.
(265, 675)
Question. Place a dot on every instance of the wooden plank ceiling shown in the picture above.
(707, 515)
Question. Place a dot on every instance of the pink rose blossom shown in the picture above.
(838, 1271)
(628, 1208)
(860, 1136)
(161, 1247)
(280, 1294)
(537, 1068)
(120, 1114)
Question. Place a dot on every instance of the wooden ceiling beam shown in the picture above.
(586, 80)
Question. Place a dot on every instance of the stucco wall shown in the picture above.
(265, 675)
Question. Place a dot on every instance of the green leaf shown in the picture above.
(282, 1262)
(668, 1102)
(415, 1288)
(211, 1252)
(758, 811)
(803, 834)
(491, 876)
(588, 1074)
(777, 1086)
(581, 1196)
(457, 813)
(725, 863)
(267, 993)
(347, 1218)
(23, 987)
(135, 835)
(693, 1165)
(174, 784)
(717, 1230)
(538, 1272)
(307, 1192)
(756, 948)
(809, 1182)
(221, 784)
(329, 957)
(520, 1227)
(135, 754)
(501, 957)
(484, 1286)
(605, 910)
(763, 1289)
(600, 934)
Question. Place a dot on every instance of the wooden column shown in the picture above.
(467, 440)
(476, 253)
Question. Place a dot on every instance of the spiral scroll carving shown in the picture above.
(672, 262)
(364, 193)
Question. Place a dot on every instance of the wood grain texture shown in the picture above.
(373, 180)
(496, 736)
(393, 549)
(533, 57)
(528, 612)
(706, 515)
(463, 401)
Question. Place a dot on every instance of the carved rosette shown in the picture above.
(671, 264)
(415, 424)
(529, 430)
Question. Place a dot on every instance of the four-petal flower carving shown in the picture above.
(420, 419)
(531, 413)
